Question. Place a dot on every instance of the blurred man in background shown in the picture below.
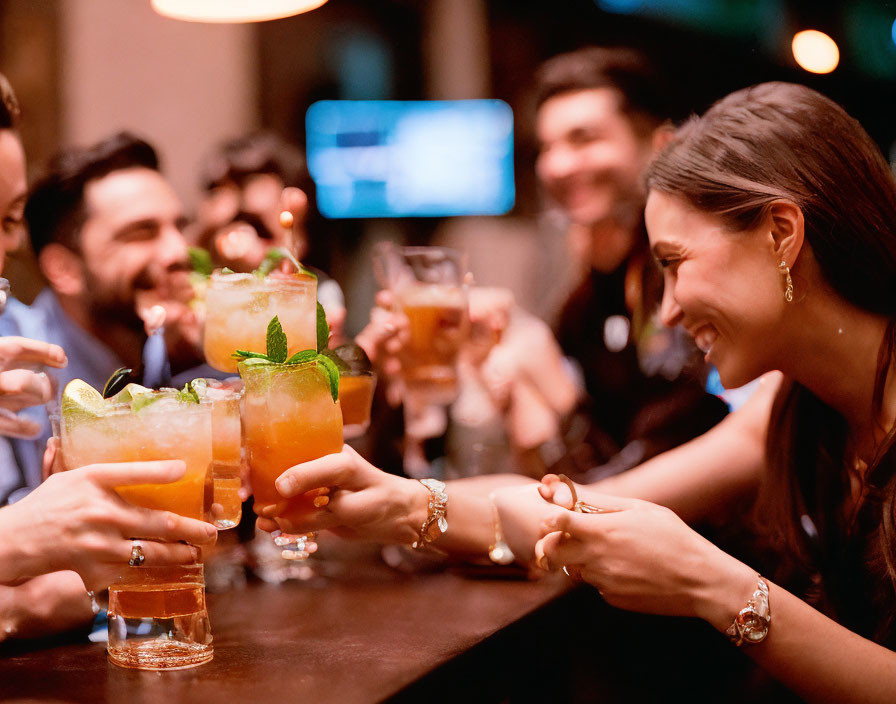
(601, 116)
(106, 228)
(247, 182)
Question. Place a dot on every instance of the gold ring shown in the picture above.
(581, 507)
(138, 557)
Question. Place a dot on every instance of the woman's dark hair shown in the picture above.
(783, 141)
(9, 105)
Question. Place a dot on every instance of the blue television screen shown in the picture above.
(383, 158)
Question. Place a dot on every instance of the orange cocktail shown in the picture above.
(355, 398)
(227, 462)
(289, 417)
(239, 307)
(162, 428)
(429, 286)
(437, 326)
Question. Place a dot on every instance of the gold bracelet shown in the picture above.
(752, 622)
(499, 551)
(436, 522)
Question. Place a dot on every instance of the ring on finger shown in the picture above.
(138, 557)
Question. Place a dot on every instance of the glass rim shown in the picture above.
(274, 366)
(123, 408)
(237, 280)
(368, 372)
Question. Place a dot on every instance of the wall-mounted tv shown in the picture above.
(383, 158)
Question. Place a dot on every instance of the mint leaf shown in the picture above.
(227, 270)
(332, 373)
(276, 341)
(306, 271)
(276, 255)
(245, 354)
(323, 330)
(201, 261)
(271, 259)
(302, 357)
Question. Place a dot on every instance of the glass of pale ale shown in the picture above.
(428, 286)
(157, 615)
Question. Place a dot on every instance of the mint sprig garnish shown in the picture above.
(276, 255)
(323, 329)
(302, 357)
(201, 261)
(332, 372)
(277, 350)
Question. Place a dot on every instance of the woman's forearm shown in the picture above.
(816, 657)
(471, 523)
(703, 478)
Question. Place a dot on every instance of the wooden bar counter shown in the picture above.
(359, 638)
(372, 634)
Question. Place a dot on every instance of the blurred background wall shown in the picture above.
(86, 68)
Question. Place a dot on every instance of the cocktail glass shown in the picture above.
(289, 417)
(429, 288)
(240, 306)
(158, 619)
(356, 397)
(227, 461)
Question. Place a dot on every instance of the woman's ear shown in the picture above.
(63, 269)
(787, 230)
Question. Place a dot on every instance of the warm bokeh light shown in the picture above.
(233, 10)
(815, 51)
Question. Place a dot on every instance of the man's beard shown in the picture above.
(114, 312)
(117, 308)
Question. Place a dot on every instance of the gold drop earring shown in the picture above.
(788, 282)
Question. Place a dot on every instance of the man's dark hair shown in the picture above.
(55, 209)
(9, 105)
(257, 153)
(642, 95)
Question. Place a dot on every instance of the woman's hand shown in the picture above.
(382, 340)
(76, 521)
(364, 502)
(642, 557)
(555, 491)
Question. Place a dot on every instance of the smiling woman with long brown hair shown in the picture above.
(773, 217)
